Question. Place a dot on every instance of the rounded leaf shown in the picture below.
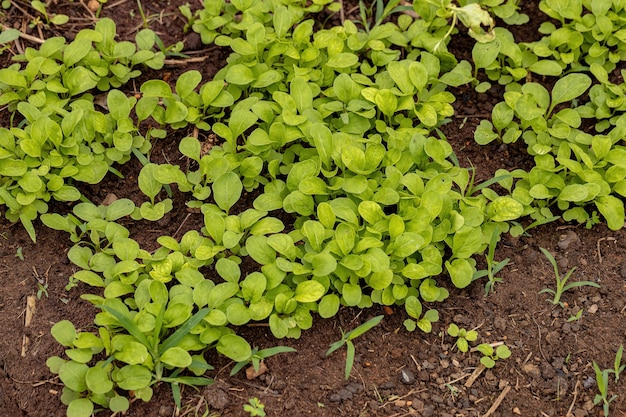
(234, 347)
(176, 357)
(133, 377)
(64, 332)
(80, 407)
(309, 291)
(98, 380)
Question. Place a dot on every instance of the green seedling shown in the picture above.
(462, 336)
(561, 282)
(346, 339)
(18, 254)
(576, 316)
(491, 355)
(602, 379)
(7, 36)
(258, 356)
(618, 367)
(255, 408)
(493, 267)
(378, 11)
(42, 289)
(55, 19)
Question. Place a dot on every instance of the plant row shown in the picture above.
(358, 198)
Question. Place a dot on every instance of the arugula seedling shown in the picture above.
(254, 407)
(346, 339)
(602, 379)
(576, 316)
(55, 19)
(491, 355)
(561, 282)
(462, 336)
(258, 356)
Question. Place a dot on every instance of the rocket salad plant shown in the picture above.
(358, 198)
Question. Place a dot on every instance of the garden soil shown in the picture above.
(396, 373)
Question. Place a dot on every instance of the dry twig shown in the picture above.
(499, 400)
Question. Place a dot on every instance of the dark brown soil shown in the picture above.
(396, 373)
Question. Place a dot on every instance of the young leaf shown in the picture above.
(227, 190)
(569, 87)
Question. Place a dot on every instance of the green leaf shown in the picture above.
(9, 35)
(485, 54)
(133, 377)
(328, 306)
(460, 271)
(342, 60)
(176, 357)
(546, 67)
(574, 193)
(309, 291)
(227, 190)
(301, 93)
(253, 287)
(12, 77)
(282, 21)
(72, 374)
(429, 290)
(187, 82)
(467, 241)
(259, 250)
(239, 74)
(80, 407)
(240, 121)
(64, 332)
(413, 307)
(569, 87)
(132, 353)
(76, 51)
(98, 380)
(315, 233)
(504, 209)
(234, 347)
(612, 208)
(119, 404)
(228, 269)
(147, 182)
(460, 74)
(351, 294)
(387, 102)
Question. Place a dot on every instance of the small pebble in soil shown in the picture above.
(517, 411)
(216, 397)
(569, 240)
(387, 385)
(532, 370)
(500, 323)
(589, 382)
(354, 388)
(344, 394)
(407, 377)
(165, 411)
(593, 309)
(334, 398)
(428, 411)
